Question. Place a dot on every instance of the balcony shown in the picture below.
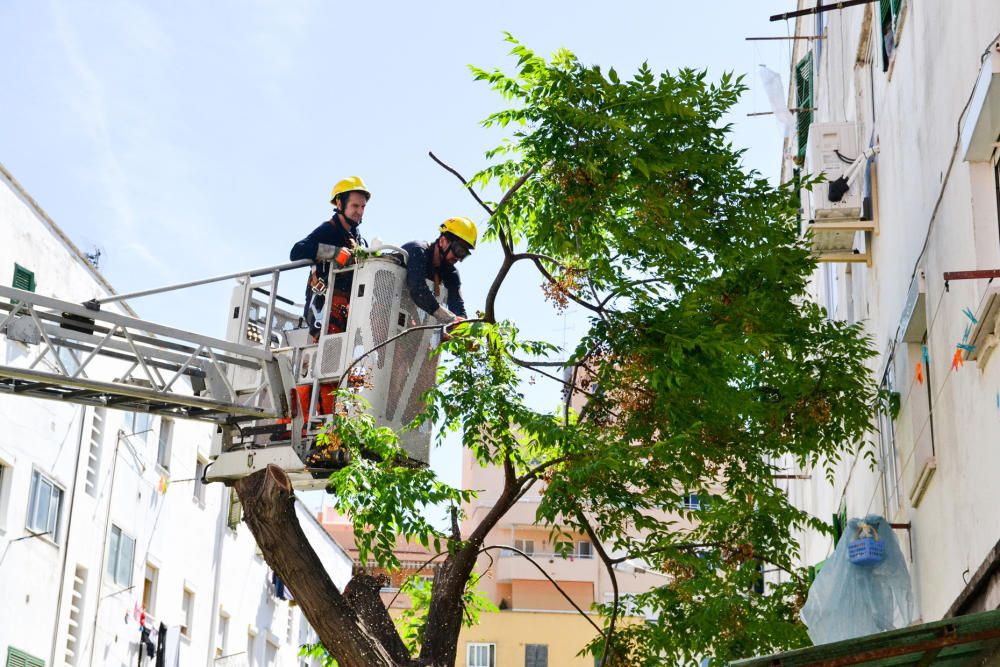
(511, 566)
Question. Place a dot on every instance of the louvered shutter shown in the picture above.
(804, 100)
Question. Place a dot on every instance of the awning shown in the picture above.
(953, 642)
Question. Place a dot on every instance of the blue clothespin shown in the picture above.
(967, 348)
(968, 313)
(927, 359)
(968, 330)
(998, 400)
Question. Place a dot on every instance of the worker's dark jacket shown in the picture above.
(420, 268)
(331, 232)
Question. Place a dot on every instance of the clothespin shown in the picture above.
(162, 485)
(968, 330)
(957, 361)
(927, 358)
(920, 373)
(998, 400)
(967, 348)
(968, 313)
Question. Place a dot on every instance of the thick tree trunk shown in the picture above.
(355, 640)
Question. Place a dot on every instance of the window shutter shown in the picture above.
(23, 278)
(16, 658)
(895, 11)
(235, 510)
(536, 655)
(804, 100)
(887, 13)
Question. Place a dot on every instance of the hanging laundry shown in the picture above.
(920, 373)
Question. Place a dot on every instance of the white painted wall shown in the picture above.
(185, 537)
(936, 213)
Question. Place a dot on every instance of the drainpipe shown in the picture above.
(69, 531)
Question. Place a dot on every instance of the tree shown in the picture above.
(704, 368)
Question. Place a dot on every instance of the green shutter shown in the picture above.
(23, 279)
(16, 658)
(895, 10)
(804, 100)
(887, 11)
(235, 510)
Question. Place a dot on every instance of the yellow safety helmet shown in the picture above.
(349, 184)
(463, 228)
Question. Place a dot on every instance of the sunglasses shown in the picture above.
(459, 249)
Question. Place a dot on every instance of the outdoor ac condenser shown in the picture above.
(826, 140)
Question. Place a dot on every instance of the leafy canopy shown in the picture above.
(704, 370)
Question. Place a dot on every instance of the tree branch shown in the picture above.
(269, 512)
(468, 187)
(362, 593)
(609, 566)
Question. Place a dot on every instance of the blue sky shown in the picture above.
(191, 138)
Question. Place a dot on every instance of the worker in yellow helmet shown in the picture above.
(433, 264)
(333, 242)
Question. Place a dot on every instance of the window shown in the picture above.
(691, 502)
(16, 658)
(4, 474)
(888, 457)
(251, 650)
(23, 279)
(804, 101)
(235, 513)
(536, 655)
(527, 546)
(199, 486)
(44, 505)
(996, 180)
(222, 637)
(149, 588)
(481, 655)
(584, 549)
(137, 424)
(889, 11)
(163, 448)
(187, 611)
(121, 552)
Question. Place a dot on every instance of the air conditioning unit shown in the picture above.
(834, 210)
(832, 148)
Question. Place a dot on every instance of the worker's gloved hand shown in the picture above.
(333, 253)
(444, 315)
(447, 331)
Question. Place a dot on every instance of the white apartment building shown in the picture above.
(103, 514)
(919, 80)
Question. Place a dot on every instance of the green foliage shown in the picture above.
(382, 492)
(319, 653)
(711, 370)
(704, 370)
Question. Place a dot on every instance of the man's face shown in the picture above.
(354, 207)
(453, 250)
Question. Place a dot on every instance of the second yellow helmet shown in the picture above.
(349, 184)
(463, 228)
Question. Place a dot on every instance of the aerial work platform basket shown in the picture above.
(269, 387)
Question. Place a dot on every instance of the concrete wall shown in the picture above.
(935, 213)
